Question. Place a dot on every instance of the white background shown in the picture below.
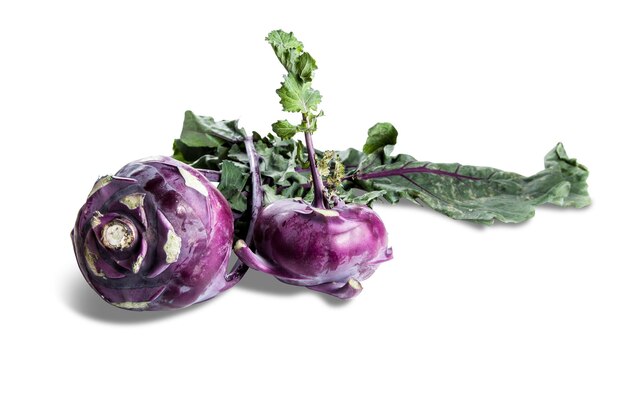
(523, 320)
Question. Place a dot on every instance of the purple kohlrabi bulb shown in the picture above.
(155, 236)
(330, 251)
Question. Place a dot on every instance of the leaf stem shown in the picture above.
(400, 171)
(390, 173)
(404, 171)
(319, 201)
(239, 268)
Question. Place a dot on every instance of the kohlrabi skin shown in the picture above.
(157, 235)
(327, 250)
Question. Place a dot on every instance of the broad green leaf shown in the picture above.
(490, 194)
(284, 129)
(188, 154)
(298, 97)
(205, 132)
(232, 182)
(379, 136)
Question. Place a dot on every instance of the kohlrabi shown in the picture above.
(158, 235)
(326, 246)
(327, 250)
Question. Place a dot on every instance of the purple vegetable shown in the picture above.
(156, 236)
(327, 249)
(330, 251)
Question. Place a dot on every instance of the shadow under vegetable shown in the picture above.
(266, 284)
(84, 301)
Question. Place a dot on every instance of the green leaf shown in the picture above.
(238, 153)
(463, 192)
(282, 41)
(364, 198)
(232, 182)
(287, 48)
(284, 129)
(305, 65)
(269, 195)
(290, 53)
(296, 94)
(379, 136)
(189, 154)
(280, 164)
(571, 172)
(298, 97)
(205, 132)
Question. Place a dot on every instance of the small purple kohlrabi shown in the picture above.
(326, 250)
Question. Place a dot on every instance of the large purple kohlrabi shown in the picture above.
(155, 236)
(327, 250)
